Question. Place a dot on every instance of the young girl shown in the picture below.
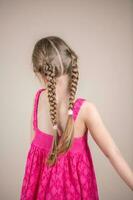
(59, 162)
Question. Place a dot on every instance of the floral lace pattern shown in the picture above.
(71, 178)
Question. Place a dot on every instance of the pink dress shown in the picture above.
(71, 178)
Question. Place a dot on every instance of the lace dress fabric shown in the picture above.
(73, 175)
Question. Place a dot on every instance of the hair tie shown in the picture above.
(70, 112)
(55, 127)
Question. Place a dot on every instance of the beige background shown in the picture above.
(101, 33)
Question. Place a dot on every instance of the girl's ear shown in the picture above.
(41, 79)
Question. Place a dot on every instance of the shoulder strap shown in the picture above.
(77, 105)
(35, 109)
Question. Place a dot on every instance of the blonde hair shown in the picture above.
(52, 57)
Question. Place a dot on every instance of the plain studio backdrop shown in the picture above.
(101, 33)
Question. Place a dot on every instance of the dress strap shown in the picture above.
(77, 105)
(35, 122)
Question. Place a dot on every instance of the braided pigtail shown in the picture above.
(66, 140)
(51, 86)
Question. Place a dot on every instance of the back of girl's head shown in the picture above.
(52, 58)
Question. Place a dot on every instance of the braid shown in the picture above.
(53, 111)
(51, 93)
(74, 82)
(66, 140)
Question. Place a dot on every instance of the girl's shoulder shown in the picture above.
(88, 108)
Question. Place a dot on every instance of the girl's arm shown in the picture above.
(106, 143)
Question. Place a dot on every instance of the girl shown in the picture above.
(59, 162)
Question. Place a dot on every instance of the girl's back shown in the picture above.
(44, 121)
(73, 176)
